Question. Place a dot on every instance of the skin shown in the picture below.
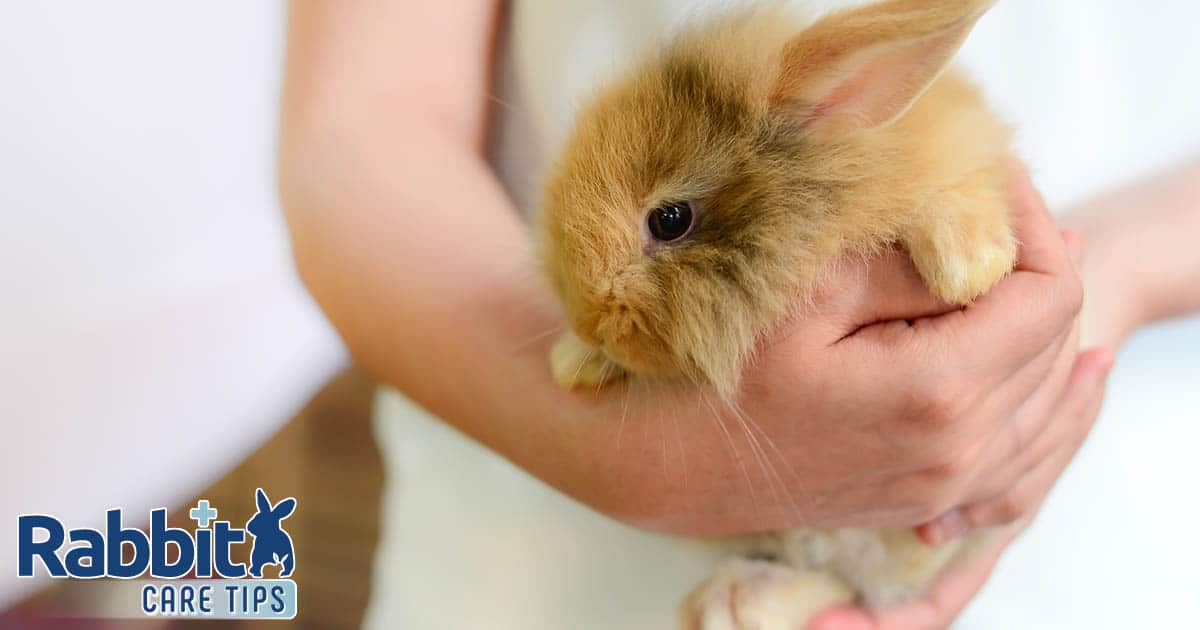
(383, 179)
(1143, 268)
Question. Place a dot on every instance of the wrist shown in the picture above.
(1114, 304)
(1140, 262)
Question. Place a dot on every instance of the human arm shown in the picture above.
(1143, 264)
(404, 235)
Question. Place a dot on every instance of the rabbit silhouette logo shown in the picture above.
(272, 545)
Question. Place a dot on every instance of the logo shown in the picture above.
(171, 553)
(272, 545)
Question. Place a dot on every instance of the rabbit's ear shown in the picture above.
(862, 68)
(264, 504)
(284, 508)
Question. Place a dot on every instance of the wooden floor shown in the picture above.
(327, 458)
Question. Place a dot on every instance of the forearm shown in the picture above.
(406, 239)
(1142, 260)
(427, 273)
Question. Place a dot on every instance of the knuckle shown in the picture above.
(918, 499)
(937, 406)
(938, 490)
(951, 468)
(938, 504)
(926, 502)
(1011, 507)
(928, 512)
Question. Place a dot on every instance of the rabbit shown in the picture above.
(700, 195)
(272, 545)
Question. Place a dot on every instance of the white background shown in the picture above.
(152, 331)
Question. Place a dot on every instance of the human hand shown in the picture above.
(1070, 424)
(949, 594)
(1141, 275)
(1146, 270)
(878, 407)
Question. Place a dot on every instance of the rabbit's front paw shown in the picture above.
(961, 255)
(761, 595)
(575, 363)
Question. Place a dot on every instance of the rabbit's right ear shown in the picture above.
(863, 68)
(264, 504)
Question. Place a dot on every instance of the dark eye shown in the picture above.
(670, 221)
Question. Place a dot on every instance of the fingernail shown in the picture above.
(950, 526)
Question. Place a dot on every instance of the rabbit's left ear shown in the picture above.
(284, 508)
(862, 68)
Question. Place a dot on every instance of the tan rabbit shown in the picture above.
(702, 193)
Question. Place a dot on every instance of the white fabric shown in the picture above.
(152, 331)
(1101, 93)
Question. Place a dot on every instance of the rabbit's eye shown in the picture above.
(671, 221)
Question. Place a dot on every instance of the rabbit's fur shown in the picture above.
(795, 144)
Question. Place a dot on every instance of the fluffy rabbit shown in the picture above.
(702, 193)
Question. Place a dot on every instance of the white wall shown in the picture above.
(152, 331)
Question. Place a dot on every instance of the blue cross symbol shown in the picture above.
(202, 513)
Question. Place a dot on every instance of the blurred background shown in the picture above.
(156, 345)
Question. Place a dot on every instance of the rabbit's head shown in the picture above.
(696, 194)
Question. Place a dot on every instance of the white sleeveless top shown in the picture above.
(1096, 91)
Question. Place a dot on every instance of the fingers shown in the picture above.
(1078, 410)
(1029, 428)
(1018, 496)
(987, 449)
(1025, 402)
(1036, 438)
(1075, 414)
(1010, 325)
